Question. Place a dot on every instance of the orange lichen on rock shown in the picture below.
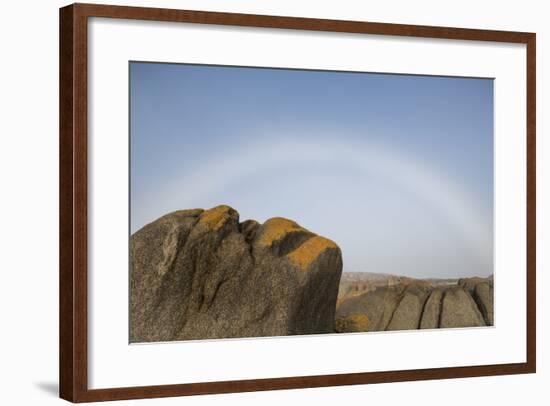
(352, 323)
(360, 321)
(216, 217)
(276, 228)
(306, 253)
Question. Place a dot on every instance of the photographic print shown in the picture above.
(274, 202)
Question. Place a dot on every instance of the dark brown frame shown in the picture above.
(73, 202)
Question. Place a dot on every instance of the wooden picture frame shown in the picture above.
(73, 279)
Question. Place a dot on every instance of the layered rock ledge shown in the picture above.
(199, 274)
(417, 304)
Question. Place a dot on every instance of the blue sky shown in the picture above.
(397, 169)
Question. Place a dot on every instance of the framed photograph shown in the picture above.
(254, 202)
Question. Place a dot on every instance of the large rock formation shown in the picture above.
(417, 304)
(199, 274)
(408, 312)
(458, 309)
(432, 310)
(483, 295)
(377, 306)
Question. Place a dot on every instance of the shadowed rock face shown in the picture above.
(483, 295)
(415, 304)
(432, 310)
(458, 309)
(408, 312)
(199, 274)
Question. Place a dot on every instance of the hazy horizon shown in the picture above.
(396, 169)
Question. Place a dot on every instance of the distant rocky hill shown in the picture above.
(398, 303)
(198, 274)
(357, 283)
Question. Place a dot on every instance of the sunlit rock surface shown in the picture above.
(199, 274)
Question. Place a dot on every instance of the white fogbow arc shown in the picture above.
(189, 189)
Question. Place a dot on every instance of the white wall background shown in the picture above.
(28, 203)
